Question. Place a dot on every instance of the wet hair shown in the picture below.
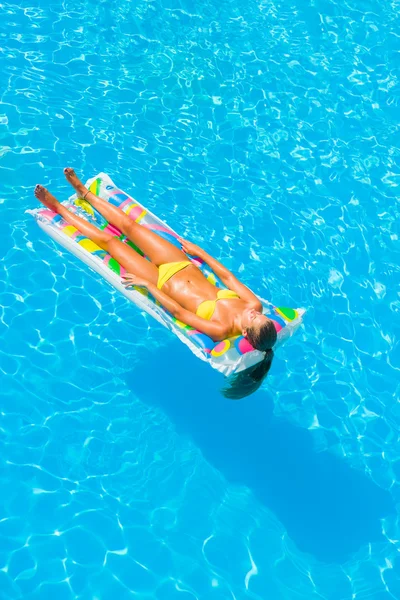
(264, 337)
(246, 382)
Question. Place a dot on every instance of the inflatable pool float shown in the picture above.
(229, 356)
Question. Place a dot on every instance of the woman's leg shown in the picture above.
(128, 258)
(157, 249)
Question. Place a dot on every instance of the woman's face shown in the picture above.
(252, 318)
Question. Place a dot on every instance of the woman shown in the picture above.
(168, 275)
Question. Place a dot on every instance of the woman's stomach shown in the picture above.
(190, 288)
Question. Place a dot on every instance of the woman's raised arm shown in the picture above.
(226, 276)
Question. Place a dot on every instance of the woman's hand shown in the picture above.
(134, 280)
(190, 248)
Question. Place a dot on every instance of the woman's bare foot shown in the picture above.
(76, 183)
(46, 198)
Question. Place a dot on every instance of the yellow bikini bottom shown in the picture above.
(166, 271)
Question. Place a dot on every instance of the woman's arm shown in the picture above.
(223, 273)
(216, 331)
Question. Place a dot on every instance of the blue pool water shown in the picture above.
(268, 132)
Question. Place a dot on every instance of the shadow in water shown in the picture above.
(329, 509)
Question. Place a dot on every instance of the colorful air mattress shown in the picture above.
(229, 356)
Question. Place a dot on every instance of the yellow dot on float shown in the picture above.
(69, 230)
(89, 245)
(84, 205)
(221, 348)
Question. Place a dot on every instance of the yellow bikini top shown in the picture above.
(206, 309)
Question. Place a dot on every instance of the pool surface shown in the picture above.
(268, 132)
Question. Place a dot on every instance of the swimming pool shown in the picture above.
(268, 132)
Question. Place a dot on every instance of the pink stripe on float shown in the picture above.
(107, 259)
(122, 271)
(113, 230)
(126, 202)
(118, 191)
(197, 262)
(278, 326)
(49, 214)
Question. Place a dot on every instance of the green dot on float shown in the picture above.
(114, 266)
(289, 313)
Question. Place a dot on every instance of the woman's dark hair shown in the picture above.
(246, 382)
(264, 337)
